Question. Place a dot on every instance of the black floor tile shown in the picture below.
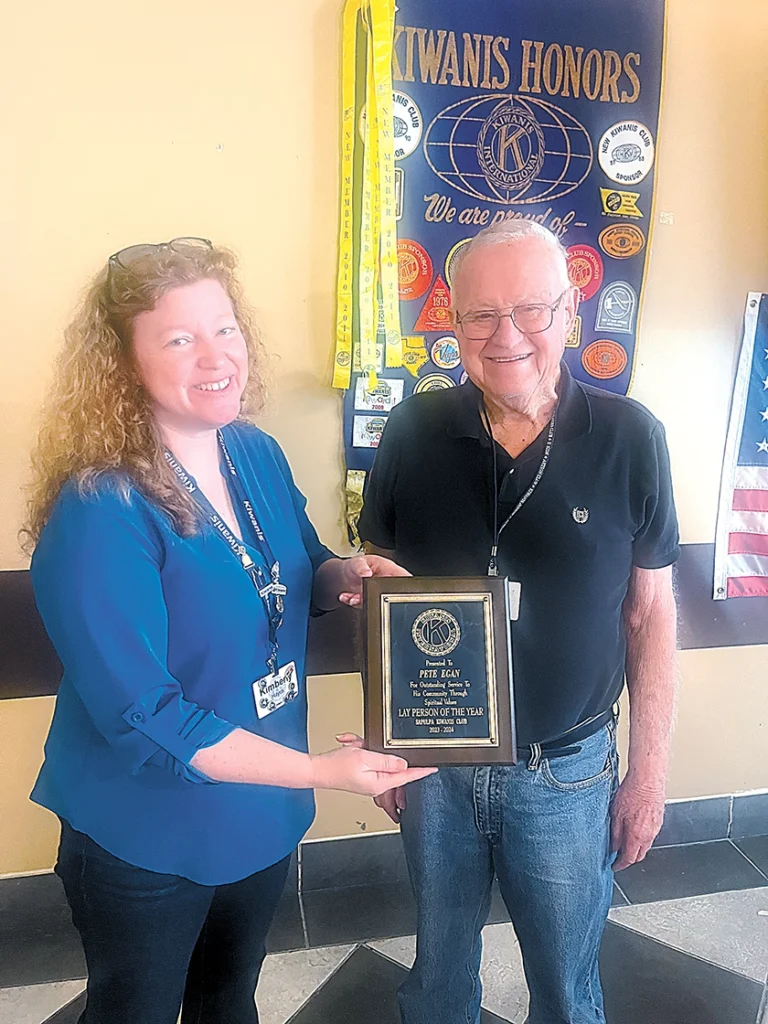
(498, 914)
(40, 943)
(69, 1014)
(37, 937)
(366, 912)
(362, 991)
(646, 982)
(619, 899)
(359, 914)
(756, 848)
(672, 872)
(364, 860)
(286, 931)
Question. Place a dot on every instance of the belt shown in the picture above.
(569, 741)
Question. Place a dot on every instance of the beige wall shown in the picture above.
(28, 834)
(712, 178)
(221, 120)
(142, 122)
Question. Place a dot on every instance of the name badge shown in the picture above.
(271, 692)
(515, 590)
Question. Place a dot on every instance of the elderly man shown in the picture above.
(566, 489)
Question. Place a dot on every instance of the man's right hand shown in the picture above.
(393, 802)
(366, 772)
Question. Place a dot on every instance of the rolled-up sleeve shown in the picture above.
(96, 577)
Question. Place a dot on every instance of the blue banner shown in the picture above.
(516, 109)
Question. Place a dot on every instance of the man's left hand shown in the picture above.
(360, 566)
(637, 814)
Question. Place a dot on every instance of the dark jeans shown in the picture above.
(155, 943)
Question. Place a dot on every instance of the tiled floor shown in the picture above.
(687, 943)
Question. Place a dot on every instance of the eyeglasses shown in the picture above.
(529, 318)
(133, 253)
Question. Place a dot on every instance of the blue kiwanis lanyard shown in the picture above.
(270, 589)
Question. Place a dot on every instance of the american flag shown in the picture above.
(741, 544)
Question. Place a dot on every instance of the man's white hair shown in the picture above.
(507, 232)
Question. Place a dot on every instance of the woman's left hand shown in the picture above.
(357, 568)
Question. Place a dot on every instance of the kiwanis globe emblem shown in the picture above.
(509, 149)
(436, 632)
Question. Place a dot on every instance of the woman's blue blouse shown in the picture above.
(161, 638)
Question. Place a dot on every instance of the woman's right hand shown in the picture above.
(366, 772)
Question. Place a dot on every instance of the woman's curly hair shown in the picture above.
(97, 416)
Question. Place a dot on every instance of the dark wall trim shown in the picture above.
(29, 666)
(337, 863)
(737, 622)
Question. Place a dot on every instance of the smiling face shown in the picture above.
(511, 366)
(192, 357)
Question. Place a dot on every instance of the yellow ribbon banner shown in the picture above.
(342, 363)
(375, 236)
(382, 17)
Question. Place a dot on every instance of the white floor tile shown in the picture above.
(402, 949)
(725, 928)
(504, 990)
(501, 971)
(289, 979)
(32, 1004)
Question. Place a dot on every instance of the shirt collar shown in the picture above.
(574, 415)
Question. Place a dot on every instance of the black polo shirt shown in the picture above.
(603, 505)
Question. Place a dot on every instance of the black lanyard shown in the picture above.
(493, 568)
(270, 589)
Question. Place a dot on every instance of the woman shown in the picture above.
(174, 569)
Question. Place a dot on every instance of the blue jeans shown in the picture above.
(152, 940)
(543, 829)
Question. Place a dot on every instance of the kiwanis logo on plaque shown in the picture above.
(506, 149)
(436, 632)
